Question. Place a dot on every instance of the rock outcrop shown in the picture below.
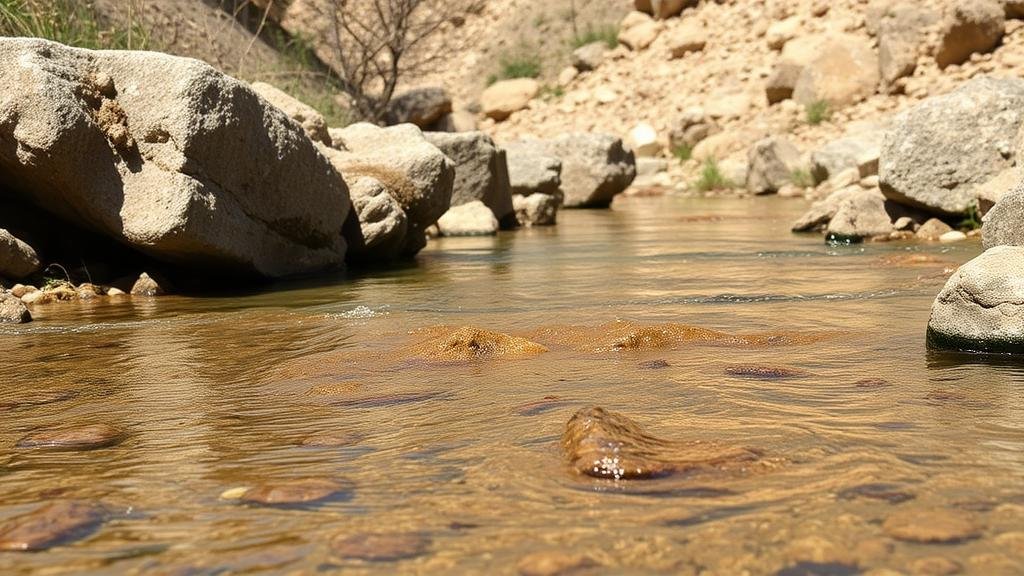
(169, 157)
(937, 152)
(481, 172)
(981, 308)
(415, 172)
(595, 168)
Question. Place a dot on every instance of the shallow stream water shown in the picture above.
(220, 393)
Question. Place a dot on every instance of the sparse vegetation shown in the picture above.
(304, 79)
(818, 112)
(606, 33)
(522, 64)
(801, 178)
(683, 152)
(71, 22)
(972, 220)
(711, 178)
(549, 91)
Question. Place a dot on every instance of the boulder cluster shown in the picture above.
(147, 160)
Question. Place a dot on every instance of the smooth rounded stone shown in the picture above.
(935, 566)
(654, 364)
(939, 151)
(37, 398)
(470, 219)
(147, 286)
(758, 372)
(931, 526)
(891, 493)
(952, 236)
(554, 563)
(467, 343)
(933, 229)
(981, 307)
(381, 547)
(51, 525)
(502, 99)
(604, 444)
(295, 492)
(1012, 542)
(588, 57)
(13, 310)
(38, 297)
(88, 437)
(331, 440)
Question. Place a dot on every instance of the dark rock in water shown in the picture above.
(295, 492)
(331, 440)
(554, 563)
(890, 493)
(654, 364)
(872, 383)
(819, 569)
(766, 372)
(38, 398)
(604, 444)
(50, 525)
(381, 547)
(931, 526)
(541, 406)
(386, 400)
(87, 437)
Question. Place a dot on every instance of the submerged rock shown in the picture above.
(981, 307)
(931, 526)
(51, 525)
(468, 343)
(88, 437)
(295, 492)
(766, 372)
(37, 398)
(331, 440)
(381, 547)
(554, 563)
(168, 156)
(604, 444)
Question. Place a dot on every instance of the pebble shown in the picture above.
(380, 547)
(50, 525)
(294, 492)
(766, 372)
(935, 566)
(331, 440)
(86, 437)
(931, 526)
(554, 563)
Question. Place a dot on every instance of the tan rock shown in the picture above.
(933, 229)
(970, 26)
(638, 31)
(691, 36)
(502, 99)
(781, 32)
(312, 122)
(844, 72)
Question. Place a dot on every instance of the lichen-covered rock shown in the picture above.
(17, 259)
(595, 168)
(424, 107)
(536, 209)
(415, 172)
(469, 219)
(937, 152)
(167, 156)
(981, 307)
(531, 170)
(481, 172)
(772, 162)
(1004, 223)
(970, 26)
(311, 121)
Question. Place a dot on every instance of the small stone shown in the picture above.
(114, 291)
(935, 566)
(380, 547)
(931, 526)
(766, 372)
(954, 236)
(295, 492)
(13, 310)
(19, 290)
(50, 525)
(933, 229)
(1012, 542)
(88, 437)
(554, 563)
(234, 493)
(147, 286)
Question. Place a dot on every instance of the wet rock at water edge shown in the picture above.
(931, 526)
(13, 310)
(148, 286)
(766, 372)
(88, 437)
(555, 563)
(604, 444)
(51, 525)
(297, 492)
(381, 547)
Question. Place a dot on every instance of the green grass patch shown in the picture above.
(711, 178)
(801, 178)
(818, 112)
(606, 33)
(972, 220)
(551, 92)
(683, 152)
(521, 64)
(71, 22)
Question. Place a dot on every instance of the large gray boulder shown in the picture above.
(981, 307)
(937, 152)
(481, 172)
(595, 168)
(531, 170)
(416, 173)
(168, 156)
(17, 259)
(772, 162)
(1004, 223)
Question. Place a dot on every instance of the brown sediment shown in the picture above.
(331, 440)
(466, 343)
(604, 444)
(914, 260)
(50, 525)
